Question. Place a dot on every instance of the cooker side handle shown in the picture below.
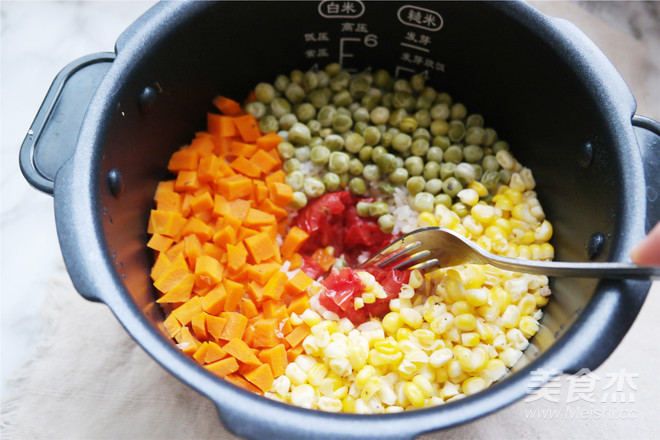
(53, 135)
(648, 136)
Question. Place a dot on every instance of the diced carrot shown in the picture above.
(212, 251)
(255, 290)
(298, 305)
(247, 127)
(168, 201)
(208, 271)
(214, 353)
(275, 177)
(186, 341)
(198, 325)
(245, 166)
(271, 230)
(187, 311)
(185, 204)
(261, 376)
(223, 367)
(247, 308)
(208, 168)
(261, 273)
(261, 247)
(180, 292)
(271, 207)
(256, 217)
(293, 241)
(192, 248)
(238, 148)
(274, 309)
(215, 325)
(186, 180)
(175, 250)
(241, 351)
(297, 334)
(159, 242)
(221, 206)
(172, 325)
(244, 233)
(264, 161)
(225, 236)
(184, 159)
(235, 326)
(221, 125)
(239, 208)
(260, 191)
(227, 106)
(265, 333)
(280, 193)
(234, 294)
(160, 266)
(236, 256)
(200, 353)
(202, 144)
(323, 258)
(286, 327)
(214, 301)
(298, 283)
(233, 187)
(274, 288)
(295, 261)
(196, 226)
(166, 223)
(293, 352)
(269, 141)
(276, 358)
(241, 382)
(173, 274)
(202, 202)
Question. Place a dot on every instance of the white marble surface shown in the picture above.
(40, 37)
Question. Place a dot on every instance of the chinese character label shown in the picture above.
(341, 9)
(421, 18)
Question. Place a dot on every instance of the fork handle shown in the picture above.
(577, 270)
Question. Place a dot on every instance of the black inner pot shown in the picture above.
(502, 60)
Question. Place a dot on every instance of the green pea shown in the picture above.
(290, 165)
(443, 199)
(376, 153)
(256, 109)
(386, 223)
(429, 94)
(489, 163)
(451, 186)
(443, 97)
(299, 134)
(408, 124)
(417, 82)
(303, 153)
(323, 78)
(474, 120)
(338, 162)
(299, 200)
(386, 137)
(505, 176)
(333, 69)
(310, 81)
(315, 142)
(281, 82)
(325, 132)
(447, 170)
(433, 186)
(473, 153)
(460, 209)
(441, 141)
(458, 111)
(415, 184)
(423, 202)
(305, 112)
(423, 103)
(331, 181)
(397, 116)
(386, 188)
(313, 187)
(401, 142)
(440, 111)
(414, 165)
(439, 127)
(421, 133)
(295, 179)
(478, 171)
(264, 92)
(268, 124)
(371, 101)
(342, 99)
(294, 93)
(359, 127)
(318, 98)
(342, 123)
(296, 76)
(320, 155)
(456, 131)
(361, 114)
(285, 150)
(376, 209)
(287, 121)
(353, 142)
(359, 85)
(490, 138)
(365, 153)
(501, 145)
(423, 118)
(399, 176)
(419, 147)
(453, 154)
(434, 154)
(326, 115)
(399, 161)
(464, 172)
(371, 135)
(380, 115)
(314, 127)
(402, 85)
(334, 142)
(371, 172)
(431, 170)
(386, 163)
(490, 179)
(475, 135)
(382, 79)
(357, 186)
(363, 209)
(355, 167)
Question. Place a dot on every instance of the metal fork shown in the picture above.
(434, 247)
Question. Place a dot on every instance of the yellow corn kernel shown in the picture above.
(465, 322)
(504, 225)
(402, 334)
(485, 243)
(426, 219)
(500, 246)
(541, 300)
(281, 385)
(342, 367)
(528, 237)
(416, 279)
(484, 329)
(494, 232)
(316, 374)
(424, 385)
(511, 316)
(329, 404)
(358, 303)
(460, 307)
(524, 252)
(454, 368)
(536, 252)
(513, 195)
(449, 390)
(499, 298)
(417, 357)
(340, 392)
(476, 297)
(511, 252)
(392, 322)
(473, 385)
(379, 359)
(543, 232)
(368, 298)
(407, 292)
(414, 394)
(310, 346)
(528, 326)
(495, 369)
(387, 346)
(547, 251)
(304, 396)
(510, 356)
(470, 339)
(348, 404)
(425, 337)
(411, 317)
(441, 323)
(295, 374)
(310, 317)
(489, 313)
(527, 304)
(460, 229)
(371, 388)
(364, 374)
(472, 226)
(479, 187)
(386, 393)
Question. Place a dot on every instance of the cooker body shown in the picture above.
(545, 89)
